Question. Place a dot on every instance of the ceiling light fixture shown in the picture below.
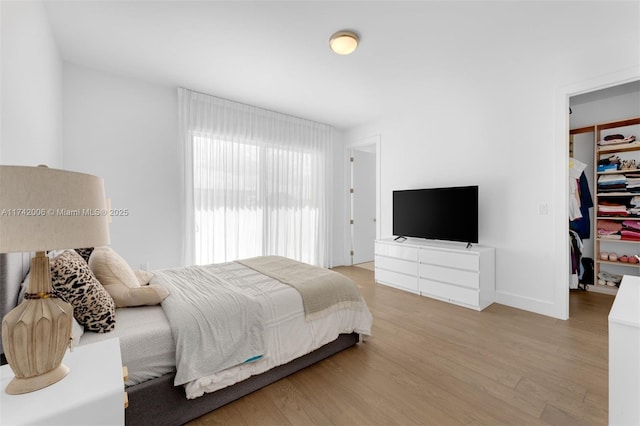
(344, 42)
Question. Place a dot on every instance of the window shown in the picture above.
(260, 192)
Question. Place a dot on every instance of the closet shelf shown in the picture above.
(607, 289)
(611, 240)
(618, 218)
(609, 262)
(616, 194)
(618, 172)
(633, 146)
(622, 196)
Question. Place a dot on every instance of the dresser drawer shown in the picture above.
(450, 275)
(448, 292)
(409, 282)
(397, 265)
(458, 259)
(396, 250)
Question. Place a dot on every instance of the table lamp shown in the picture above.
(45, 209)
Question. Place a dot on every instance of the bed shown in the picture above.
(294, 336)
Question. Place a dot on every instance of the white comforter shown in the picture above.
(287, 335)
(216, 323)
(147, 346)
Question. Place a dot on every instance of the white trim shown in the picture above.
(542, 307)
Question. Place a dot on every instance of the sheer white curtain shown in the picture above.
(256, 182)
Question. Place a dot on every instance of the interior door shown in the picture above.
(363, 205)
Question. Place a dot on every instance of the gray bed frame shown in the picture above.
(158, 401)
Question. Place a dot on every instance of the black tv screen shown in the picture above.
(449, 214)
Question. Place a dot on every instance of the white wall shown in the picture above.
(30, 88)
(497, 120)
(126, 131)
(502, 124)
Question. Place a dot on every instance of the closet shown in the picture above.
(610, 242)
(612, 226)
(617, 201)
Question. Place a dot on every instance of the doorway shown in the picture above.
(363, 190)
(586, 110)
(363, 205)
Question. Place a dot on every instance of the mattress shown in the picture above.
(148, 349)
(146, 344)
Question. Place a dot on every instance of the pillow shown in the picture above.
(92, 305)
(144, 277)
(76, 332)
(85, 253)
(117, 277)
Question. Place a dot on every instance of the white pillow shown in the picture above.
(121, 282)
(144, 277)
(77, 330)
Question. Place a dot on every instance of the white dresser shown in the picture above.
(440, 270)
(624, 354)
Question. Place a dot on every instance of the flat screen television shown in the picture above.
(449, 214)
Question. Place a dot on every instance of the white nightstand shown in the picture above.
(91, 394)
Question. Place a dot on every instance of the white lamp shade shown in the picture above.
(45, 209)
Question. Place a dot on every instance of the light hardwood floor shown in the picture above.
(432, 363)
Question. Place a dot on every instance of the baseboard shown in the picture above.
(538, 306)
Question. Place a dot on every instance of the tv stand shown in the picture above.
(468, 245)
(400, 239)
(440, 270)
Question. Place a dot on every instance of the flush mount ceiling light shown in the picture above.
(344, 42)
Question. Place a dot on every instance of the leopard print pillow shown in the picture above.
(85, 253)
(93, 307)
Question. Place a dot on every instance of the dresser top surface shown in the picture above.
(437, 245)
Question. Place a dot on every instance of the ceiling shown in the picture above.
(610, 92)
(275, 54)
